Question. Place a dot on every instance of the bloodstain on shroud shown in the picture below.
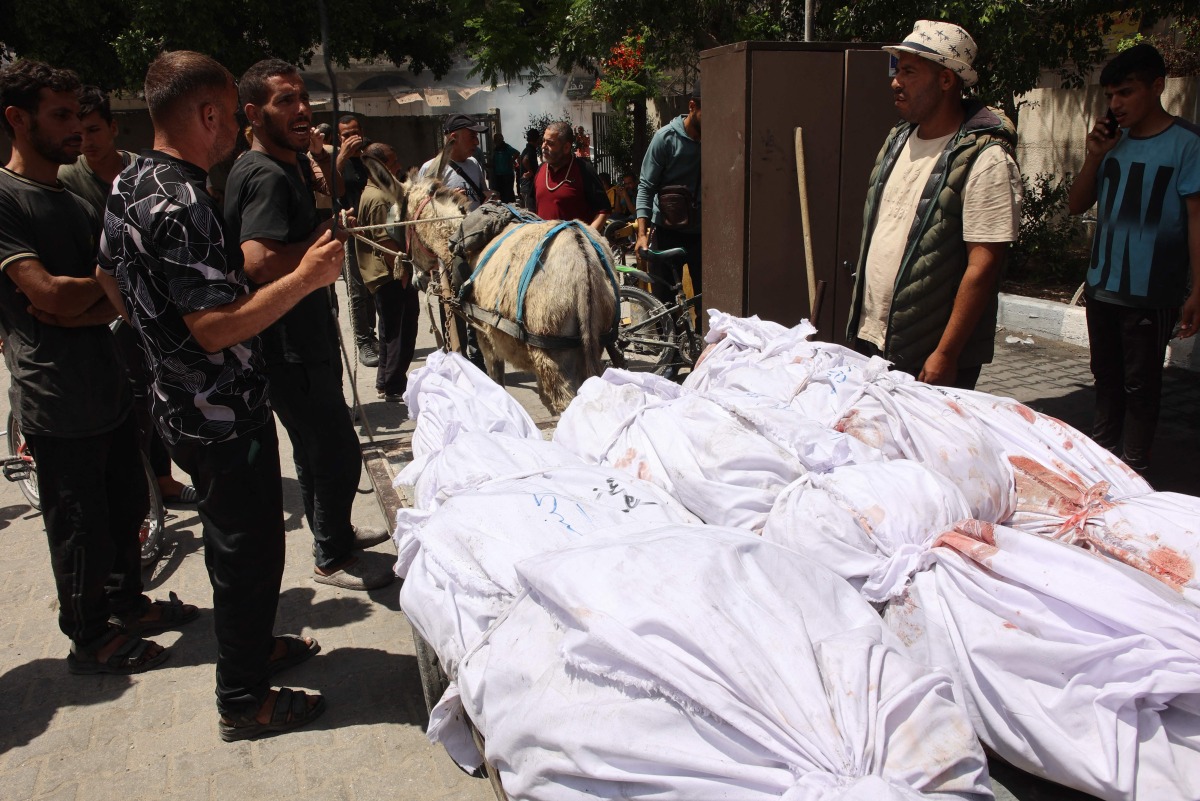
(1041, 489)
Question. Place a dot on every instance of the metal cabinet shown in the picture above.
(755, 95)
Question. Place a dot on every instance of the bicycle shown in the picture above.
(621, 237)
(21, 469)
(652, 336)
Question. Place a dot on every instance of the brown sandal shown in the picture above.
(291, 711)
(131, 656)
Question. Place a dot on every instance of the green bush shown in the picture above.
(1047, 250)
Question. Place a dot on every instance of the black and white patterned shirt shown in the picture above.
(164, 241)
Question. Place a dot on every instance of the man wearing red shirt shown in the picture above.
(567, 187)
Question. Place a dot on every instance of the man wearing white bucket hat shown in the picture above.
(942, 207)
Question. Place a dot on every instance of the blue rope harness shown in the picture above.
(535, 261)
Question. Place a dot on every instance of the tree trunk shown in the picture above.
(640, 140)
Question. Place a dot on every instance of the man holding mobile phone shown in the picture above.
(1145, 172)
(354, 180)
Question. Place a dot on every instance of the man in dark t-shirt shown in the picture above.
(166, 257)
(270, 211)
(68, 388)
(505, 157)
(530, 159)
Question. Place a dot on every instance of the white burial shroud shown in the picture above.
(695, 663)
(1075, 667)
(686, 662)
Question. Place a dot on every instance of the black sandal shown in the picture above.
(291, 711)
(173, 613)
(131, 656)
(297, 650)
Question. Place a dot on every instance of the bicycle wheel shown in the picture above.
(646, 336)
(20, 467)
(151, 533)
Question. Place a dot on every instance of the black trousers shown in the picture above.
(506, 187)
(399, 308)
(140, 381)
(241, 508)
(358, 298)
(690, 241)
(308, 400)
(1128, 347)
(94, 499)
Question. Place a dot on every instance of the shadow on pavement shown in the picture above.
(37, 690)
(364, 687)
(1021, 785)
(180, 539)
(1170, 469)
(297, 609)
(9, 513)
(293, 505)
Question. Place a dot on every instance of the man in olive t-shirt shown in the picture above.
(91, 176)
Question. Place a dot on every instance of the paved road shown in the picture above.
(77, 738)
(1054, 378)
(155, 735)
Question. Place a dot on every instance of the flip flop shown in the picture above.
(297, 651)
(187, 495)
(291, 711)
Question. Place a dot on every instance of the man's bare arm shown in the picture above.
(54, 294)
(100, 313)
(975, 291)
(1083, 188)
(598, 223)
(267, 260)
(224, 326)
(112, 292)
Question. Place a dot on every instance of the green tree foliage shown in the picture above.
(1017, 38)
(110, 43)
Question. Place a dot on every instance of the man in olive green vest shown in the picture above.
(942, 207)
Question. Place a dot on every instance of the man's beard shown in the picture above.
(278, 134)
(222, 149)
(55, 152)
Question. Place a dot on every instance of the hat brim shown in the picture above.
(478, 127)
(967, 73)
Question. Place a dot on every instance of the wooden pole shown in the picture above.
(802, 182)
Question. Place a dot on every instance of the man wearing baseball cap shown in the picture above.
(942, 207)
(460, 169)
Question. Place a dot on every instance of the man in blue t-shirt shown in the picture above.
(1143, 170)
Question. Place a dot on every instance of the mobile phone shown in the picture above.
(1110, 120)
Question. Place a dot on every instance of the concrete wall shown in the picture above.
(1055, 122)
